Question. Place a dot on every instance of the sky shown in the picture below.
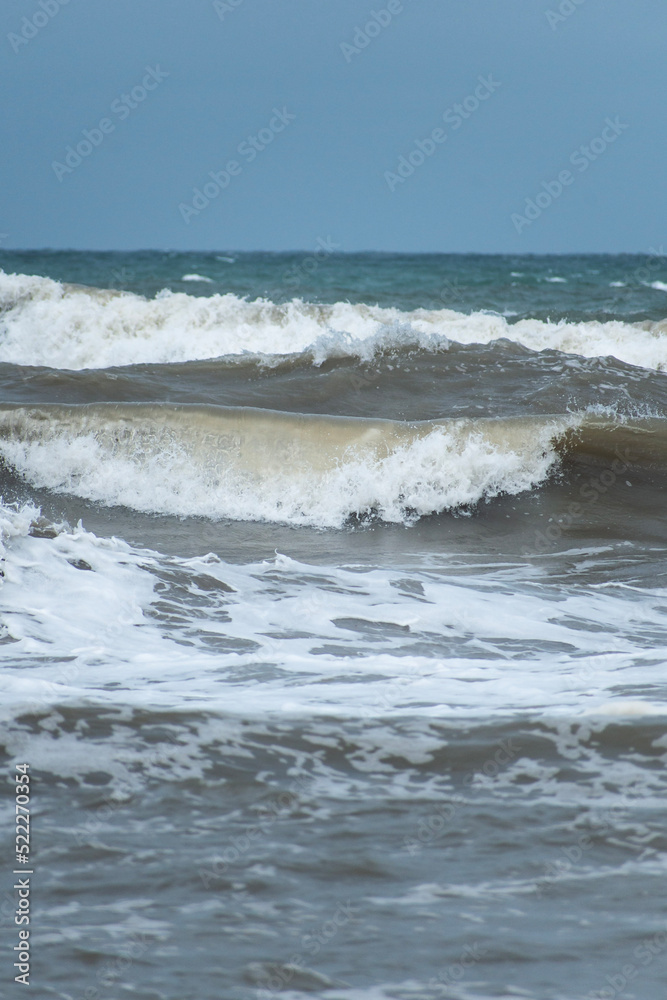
(334, 120)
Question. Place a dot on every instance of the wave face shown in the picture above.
(249, 464)
(47, 323)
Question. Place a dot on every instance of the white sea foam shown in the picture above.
(98, 621)
(197, 277)
(43, 322)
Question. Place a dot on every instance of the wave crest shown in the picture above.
(44, 322)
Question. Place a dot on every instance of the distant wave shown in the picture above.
(43, 322)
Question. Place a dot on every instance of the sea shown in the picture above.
(333, 624)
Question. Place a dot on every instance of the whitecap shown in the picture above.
(44, 322)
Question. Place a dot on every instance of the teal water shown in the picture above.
(515, 286)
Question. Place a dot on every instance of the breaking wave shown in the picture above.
(44, 322)
(250, 464)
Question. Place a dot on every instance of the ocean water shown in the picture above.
(334, 623)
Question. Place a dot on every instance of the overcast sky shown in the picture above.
(315, 116)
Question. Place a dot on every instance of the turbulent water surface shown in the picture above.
(334, 622)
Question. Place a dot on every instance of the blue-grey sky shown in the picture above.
(555, 71)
